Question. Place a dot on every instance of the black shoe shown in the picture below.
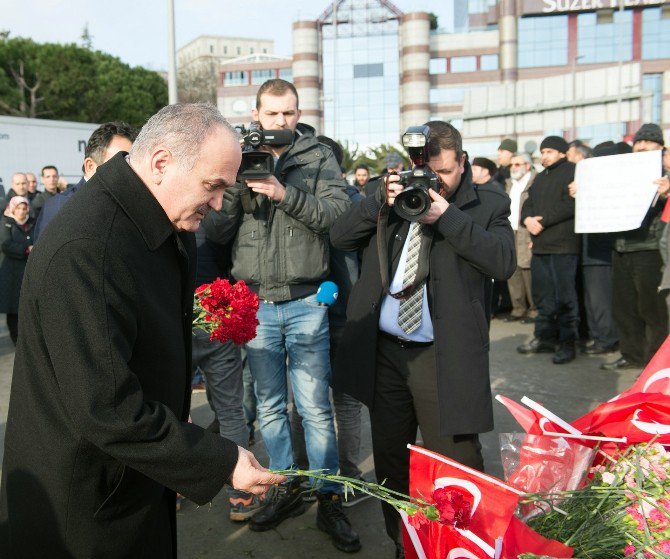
(597, 349)
(620, 364)
(565, 354)
(331, 519)
(527, 320)
(512, 318)
(282, 502)
(536, 345)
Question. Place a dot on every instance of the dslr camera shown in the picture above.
(414, 201)
(257, 164)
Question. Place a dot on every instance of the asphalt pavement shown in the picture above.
(205, 532)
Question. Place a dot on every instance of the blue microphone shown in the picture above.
(327, 294)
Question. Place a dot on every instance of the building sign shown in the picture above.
(563, 6)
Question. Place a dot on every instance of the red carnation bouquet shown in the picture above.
(226, 312)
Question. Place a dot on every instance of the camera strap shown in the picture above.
(248, 203)
(384, 264)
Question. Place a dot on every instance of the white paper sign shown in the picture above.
(614, 192)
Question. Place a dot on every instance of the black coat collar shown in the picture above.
(135, 199)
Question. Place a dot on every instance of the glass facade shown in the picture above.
(463, 64)
(605, 42)
(543, 41)
(655, 34)
(653, 84)
(597, 133)
(235, 78)
(361, 102)
(260, 76)
(488, 62)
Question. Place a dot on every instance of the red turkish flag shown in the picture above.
(519, 538)
(656, 375)
(640, 417)
(493, 504)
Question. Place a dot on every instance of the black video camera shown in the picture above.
(257, 164)
(414, 201)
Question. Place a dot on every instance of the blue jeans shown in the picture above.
(298, 330)
(222, 366)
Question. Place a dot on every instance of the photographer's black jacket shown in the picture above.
(473, 239)
(548, 197)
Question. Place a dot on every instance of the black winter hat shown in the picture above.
(554, 142)
(486, 163)
(650, 132)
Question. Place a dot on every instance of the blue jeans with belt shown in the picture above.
(292, 342)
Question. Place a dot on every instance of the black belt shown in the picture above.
(402, 342)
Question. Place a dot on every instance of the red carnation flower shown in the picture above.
(226, 312)
(454, 506)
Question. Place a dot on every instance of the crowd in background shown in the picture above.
(597, 293)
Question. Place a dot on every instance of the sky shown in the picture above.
(136, 30)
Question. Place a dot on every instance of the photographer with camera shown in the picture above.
(416, 333)
(279, 227)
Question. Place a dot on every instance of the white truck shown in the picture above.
(28, 144)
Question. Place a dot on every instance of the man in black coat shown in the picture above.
(97, 440)
(436, 375)
(549, 216)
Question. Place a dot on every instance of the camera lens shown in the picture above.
(412, 203)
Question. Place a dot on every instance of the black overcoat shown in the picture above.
(473, 239)
(100, 395)
(14, 241)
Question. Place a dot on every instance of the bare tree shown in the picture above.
(197, 83)
(28, 99)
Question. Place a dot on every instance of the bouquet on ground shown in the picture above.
(226, 311)
(623, 511)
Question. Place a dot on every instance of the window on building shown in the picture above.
(238, 50)
(543, 41)
(235, 78)
(225, 50)
(438, 66)
(605, 39)
(286, 74)
(368, 70)
(260, 76)
(265, 51)
(488, 62)
(463, 64)
(655, 34)
(447, 95)
(652, 83)
(251, 50)
(594, 134)
(211, 49)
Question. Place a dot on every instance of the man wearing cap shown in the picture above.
(549, 216)
(640, 312)
(522, 176)
(483, 170)
(394, 164)
(506, 150)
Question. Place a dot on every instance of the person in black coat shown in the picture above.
(97, 440)
(549, 216)
(437, 375)
(16, 241)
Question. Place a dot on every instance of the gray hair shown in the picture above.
(182, 128)
(523, 155)
(586, 151)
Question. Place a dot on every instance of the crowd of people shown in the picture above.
(157, 213)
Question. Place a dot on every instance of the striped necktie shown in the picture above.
(409, 314)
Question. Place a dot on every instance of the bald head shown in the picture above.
(20, 184)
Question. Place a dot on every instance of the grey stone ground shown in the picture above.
(205, 532)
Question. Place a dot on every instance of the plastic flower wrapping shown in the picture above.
(226, 312)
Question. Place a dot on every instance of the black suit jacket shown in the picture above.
(473, 239)
(101, 388)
